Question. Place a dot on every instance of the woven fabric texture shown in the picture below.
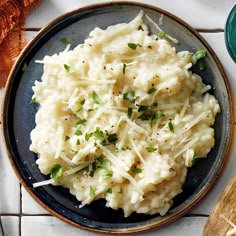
(12, 33)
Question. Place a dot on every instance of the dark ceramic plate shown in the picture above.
(18, 118)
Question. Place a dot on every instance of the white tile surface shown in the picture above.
(47, 225)
(29, 205)
(9, 184)
(29, 35)
(10, 225)
(204, 14)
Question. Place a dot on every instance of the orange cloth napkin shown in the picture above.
(12, 34)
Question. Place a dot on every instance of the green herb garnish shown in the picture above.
(82, 102)
(67, 138)
(161, 34)
(201, 65)
(78, 142)
(86, 169)
(25, 67)
(69, 69)
(143, 108)
(112, 138)
(88, 136)
(151, 90)
(198, 58)
(200, 54)
(127, 148)
(134, 45)
(130, 111)
(171, 126)
(99, 134)
(74, 151)
(145, 116)
(80, 121)
(136, 170)
(78, 132)
(33, 100)
(151, 149)
(130, 96)
(91, 192)
(195, 158)
(96, 98)
(91, 173)
(124, 68)
(79, 110)
(159, 114)
(104, 167)
(109, 190)
(56, 172)
(103, 172)
(64, 41)
(100, 159)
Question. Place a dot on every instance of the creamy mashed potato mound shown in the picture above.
(124, 117)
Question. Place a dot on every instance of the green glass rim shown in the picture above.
(230, 33)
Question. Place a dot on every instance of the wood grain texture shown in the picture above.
(226, 205)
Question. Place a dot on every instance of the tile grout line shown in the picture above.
(199, 30)
(1, 227)
(20, 215)
(49, 215)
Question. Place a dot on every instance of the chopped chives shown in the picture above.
(171, 126)
(151, 149)
(130, 111)
(124, 68)
(96, 98)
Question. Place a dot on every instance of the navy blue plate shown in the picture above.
(18, 118)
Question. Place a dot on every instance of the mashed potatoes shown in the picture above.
(123, 117)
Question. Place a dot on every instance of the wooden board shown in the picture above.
(226, 205)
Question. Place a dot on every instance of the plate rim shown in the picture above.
(136, 228)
